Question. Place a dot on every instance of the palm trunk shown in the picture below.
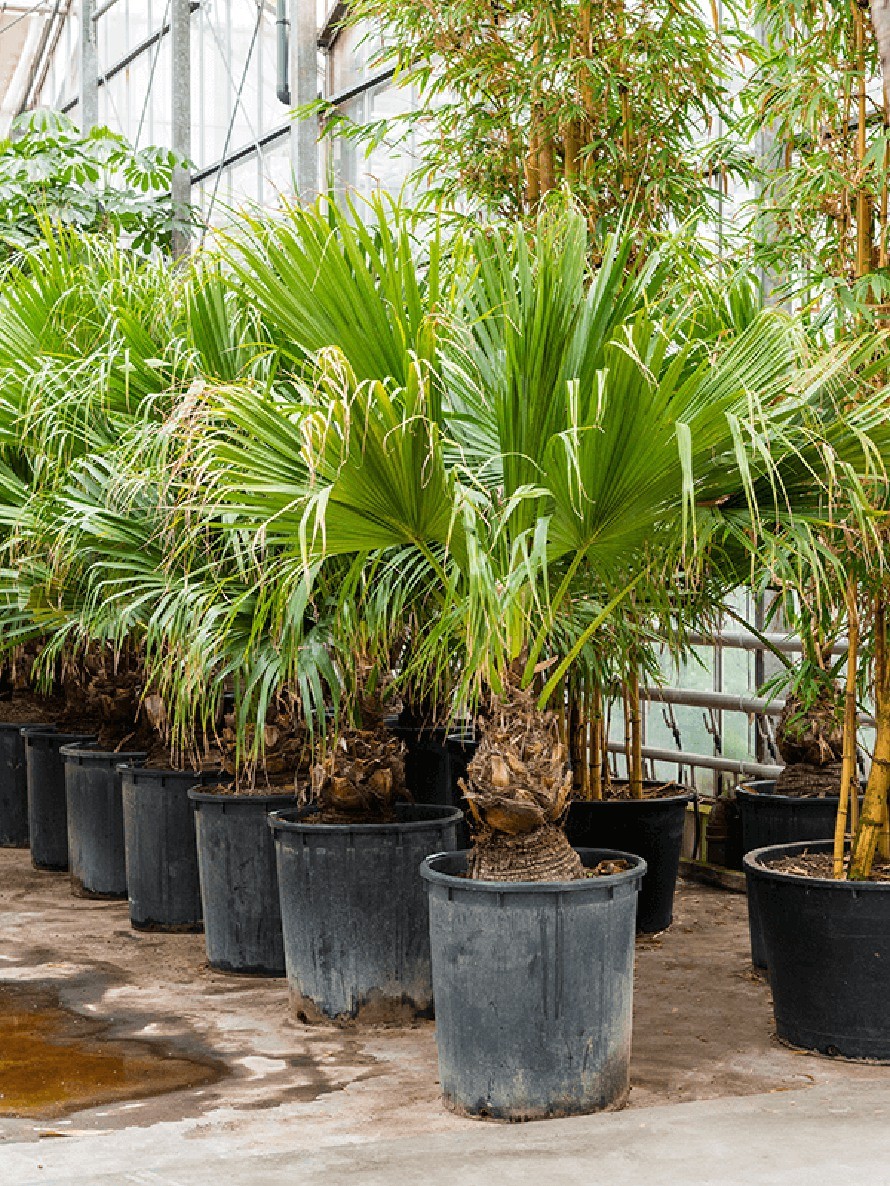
(874, 806)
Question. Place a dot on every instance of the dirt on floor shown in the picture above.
(702, 1024)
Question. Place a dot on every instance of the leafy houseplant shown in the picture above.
(94, 183)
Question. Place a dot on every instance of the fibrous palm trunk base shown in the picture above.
(542, 855)
(517, 790)
(807, 781)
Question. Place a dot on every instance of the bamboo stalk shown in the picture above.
(628, 743)
(546, 167)
(874, 805)
(585, 750)
(575, 716)
(586, 88)
(597, 745)
(863, 201)
(882, 230)
(627, 179)
(636, 736)
(849, 787)
(883, 846)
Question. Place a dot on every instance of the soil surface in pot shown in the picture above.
(621, 790)
(821, 864)
(27, 709)
(257, 791)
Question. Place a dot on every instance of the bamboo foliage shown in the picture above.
(565, 94)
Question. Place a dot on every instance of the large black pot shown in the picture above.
(651, 828)
(827, 947)
(162, 855)
(435, 759)
(47, 803)
(768, 818)
(239, 882)
(533, 984)
(96, 854)
(14, 786)
(353, 908)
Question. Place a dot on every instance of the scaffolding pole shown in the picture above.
(89, 67)
(180, 32)
(304, 89)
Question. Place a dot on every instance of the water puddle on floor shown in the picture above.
(53, 1060)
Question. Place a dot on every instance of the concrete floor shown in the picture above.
(715, 1098)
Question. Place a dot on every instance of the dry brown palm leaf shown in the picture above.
(518, 786)
(284, 761)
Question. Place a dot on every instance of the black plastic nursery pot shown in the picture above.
(650, 828)
(827, 947)
(533, 984)
(162, 854)
(96, 852)
(47, 801)
(434, 761)
(768, 818)
(356, 931)
(239, 882)
(14, 786)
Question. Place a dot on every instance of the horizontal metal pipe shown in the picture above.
(724, 701)
(241, 154)
(679, 757)
(742, 640)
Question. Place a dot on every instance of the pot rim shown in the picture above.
(746, 795)
(100, 755)
(752, 863)
(153, 773)
(444, 815)
(52, 734)
(38, 726)
(685, 797)
(198, 795)
(430, 873)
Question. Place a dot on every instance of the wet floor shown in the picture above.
(54, 1060)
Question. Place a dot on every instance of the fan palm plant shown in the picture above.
(561, 453)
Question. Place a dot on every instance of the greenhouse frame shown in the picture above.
(444, 591)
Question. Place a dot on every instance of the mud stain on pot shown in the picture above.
(53, 1060)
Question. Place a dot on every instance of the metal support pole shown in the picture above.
(89, 67)
(282, 50)
(180, 32)
(304, 89)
